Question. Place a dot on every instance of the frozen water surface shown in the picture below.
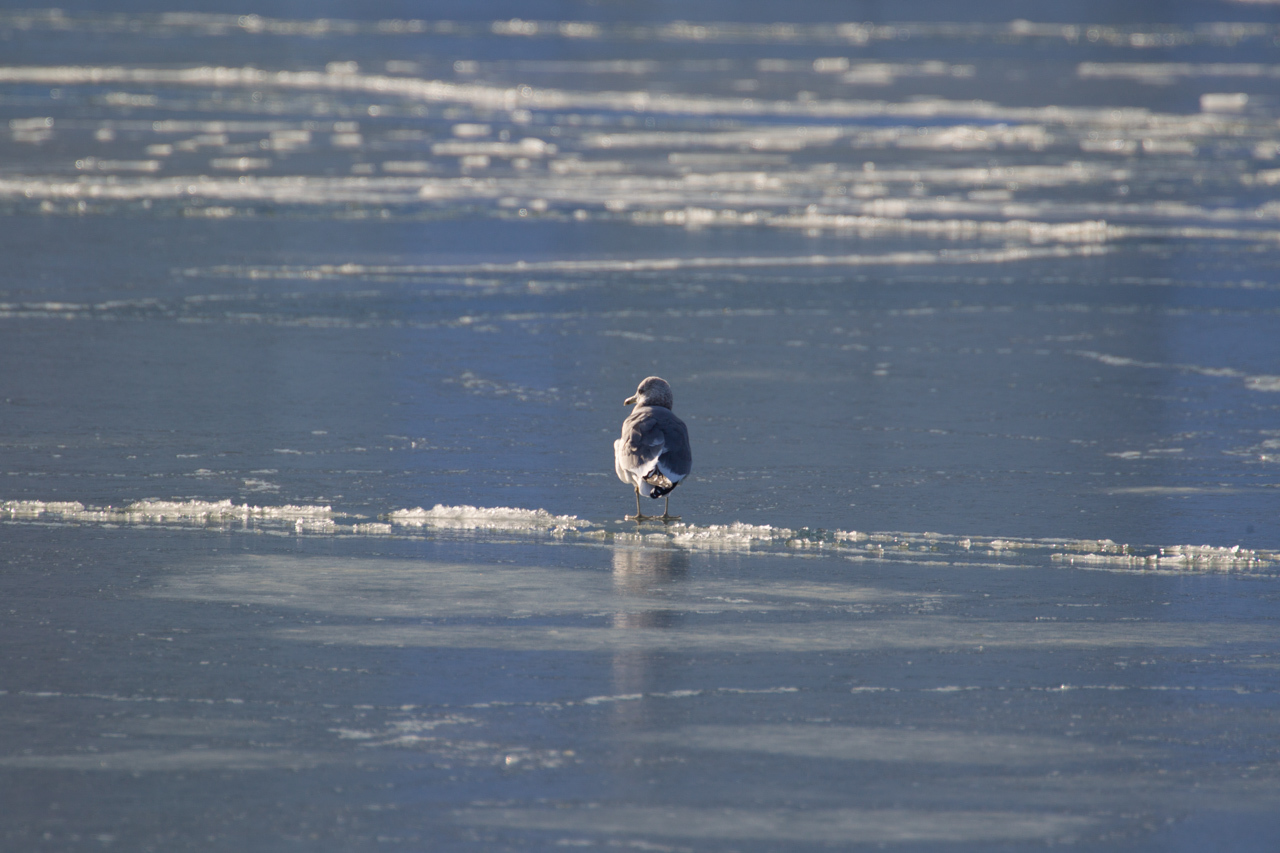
(315, 330)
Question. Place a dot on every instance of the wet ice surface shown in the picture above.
(475, 690)
(315, 334)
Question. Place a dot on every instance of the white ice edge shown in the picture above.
(1130, 35)
(1260, 382)
(722, 191)
(160, 511)
(548, 98)
(737, 537)
(485, 518)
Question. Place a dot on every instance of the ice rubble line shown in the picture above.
(742, 536)
(1261, 382)
(223, 509)
(845, 33)
(738, 536)
(467, 517)
(1167, 72)
(158, 510)
(683, 201)
(1178, 556)
(976, 256)
(728, 536)
(544, 98)
(1037, 232)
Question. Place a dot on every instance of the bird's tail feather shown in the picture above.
(659, 483)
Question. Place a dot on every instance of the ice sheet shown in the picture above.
(314, 332)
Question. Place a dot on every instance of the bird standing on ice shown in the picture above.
(653, 454)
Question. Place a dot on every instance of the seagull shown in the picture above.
(653, 454)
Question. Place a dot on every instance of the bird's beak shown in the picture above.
(629, 400)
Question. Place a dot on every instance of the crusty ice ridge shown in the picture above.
(739, 537)
(303, 518)
(486, 518)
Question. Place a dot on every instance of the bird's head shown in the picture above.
(653, 391)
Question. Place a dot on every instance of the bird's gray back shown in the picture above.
(652, 431)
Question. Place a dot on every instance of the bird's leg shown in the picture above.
(639, 516)
(666, 512)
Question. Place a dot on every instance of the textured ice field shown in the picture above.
(314, 334)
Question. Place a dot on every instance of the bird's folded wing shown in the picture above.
(643, 441)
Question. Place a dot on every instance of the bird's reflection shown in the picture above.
(649, 572)
(642, 576)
